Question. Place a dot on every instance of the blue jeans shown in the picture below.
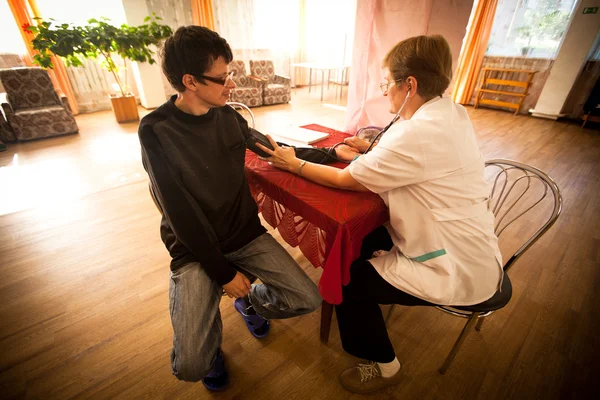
(286, 291)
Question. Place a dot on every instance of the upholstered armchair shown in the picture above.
(277, 88)
(32, 107)
(6, 134)
(249, 88)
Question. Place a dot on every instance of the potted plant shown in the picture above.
(101, 39)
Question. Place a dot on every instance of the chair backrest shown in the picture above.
(262, 69)
(28, 88)
(517, 189)
(239, 73)
(244, 111)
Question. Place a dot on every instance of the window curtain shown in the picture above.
(202, 13)
(473, 50)
(269, 30)
(24, 12)
(380, 25)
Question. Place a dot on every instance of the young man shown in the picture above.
(193, 148)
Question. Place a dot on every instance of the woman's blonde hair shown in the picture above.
(427, 58)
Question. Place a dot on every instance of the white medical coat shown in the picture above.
(429, 172)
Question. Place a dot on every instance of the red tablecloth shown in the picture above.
(327, 224)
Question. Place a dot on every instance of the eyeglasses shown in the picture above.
(386, 86)
(220, 81)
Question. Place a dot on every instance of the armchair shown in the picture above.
(277, 88)
(6, 134)
(32, 107)
(249, 88)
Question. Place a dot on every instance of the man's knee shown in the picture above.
(190, 367)
(307, 301)
(314, 300)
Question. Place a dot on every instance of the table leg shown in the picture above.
(293, 72)
(322, 82)
(326, 315)
(309, 79)
(328, 78)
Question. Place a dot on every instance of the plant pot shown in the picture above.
(124, 108)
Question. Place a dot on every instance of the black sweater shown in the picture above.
(196, 169)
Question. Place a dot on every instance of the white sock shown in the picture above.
(389, 369)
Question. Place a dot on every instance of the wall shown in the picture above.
(380, 24)
(571, 58)
(174, 13)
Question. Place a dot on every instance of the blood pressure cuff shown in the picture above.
(317, 155)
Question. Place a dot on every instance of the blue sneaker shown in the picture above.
(257, 325)
(218, 378)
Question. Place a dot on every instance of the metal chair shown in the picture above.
(368, 133)
(244, 111)
(511, 181)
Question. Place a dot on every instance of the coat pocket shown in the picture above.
(458, 213)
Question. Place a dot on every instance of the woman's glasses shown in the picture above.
(386, 86)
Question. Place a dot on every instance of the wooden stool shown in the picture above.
(487, 80)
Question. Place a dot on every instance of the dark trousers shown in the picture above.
(361, 322)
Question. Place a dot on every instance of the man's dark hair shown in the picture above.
(192, 50)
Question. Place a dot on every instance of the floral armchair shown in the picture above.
(32, 107)
(6, 134)
(249, 88)
(277, 88)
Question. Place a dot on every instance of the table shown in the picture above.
(318, 66)
(328, 225)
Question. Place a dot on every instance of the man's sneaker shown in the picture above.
(366, 378)
(218, 378)
(257, 325)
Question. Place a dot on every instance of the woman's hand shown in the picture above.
(346, 153)
(281, 157)
(357, 143)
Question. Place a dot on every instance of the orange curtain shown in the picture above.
(202, 13)
(24, 12)
(473, 50)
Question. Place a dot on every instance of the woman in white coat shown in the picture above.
(439, 247)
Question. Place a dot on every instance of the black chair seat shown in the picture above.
(496, 302)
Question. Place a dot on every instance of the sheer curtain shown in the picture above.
(259, 29)
(380, 24)
(330, 31)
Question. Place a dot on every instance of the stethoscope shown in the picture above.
(388, 126)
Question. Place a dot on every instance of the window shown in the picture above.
(74, 12)
(529, 28)
(12, 41)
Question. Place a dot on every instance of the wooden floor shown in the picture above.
(84, 280)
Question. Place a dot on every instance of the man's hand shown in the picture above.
(357, 143)
(346, 153)
(238, 287)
